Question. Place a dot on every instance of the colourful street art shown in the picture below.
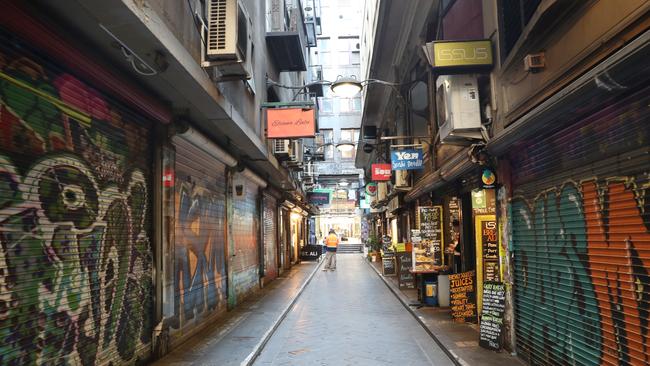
(200, 275)
(75, 256)
(582, 260)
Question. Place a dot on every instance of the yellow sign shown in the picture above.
(400, 247)
(462, 54)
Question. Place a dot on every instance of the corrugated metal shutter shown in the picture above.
(270, 237)
(245, 232)
(75, 190)
(581, 233)
(200, 277)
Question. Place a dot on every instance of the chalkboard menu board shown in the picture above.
(494, 302)
(388, 266)
(405, 279)
(463, 297)
(431, 231)
(311, 252)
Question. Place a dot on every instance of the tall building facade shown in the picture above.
(336, 55)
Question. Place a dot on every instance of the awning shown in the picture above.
(287, 50)
(623, 71)
(451, 170)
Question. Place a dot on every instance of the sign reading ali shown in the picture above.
(290, 122)
(450, 54)
(409, 159)
(381, 172)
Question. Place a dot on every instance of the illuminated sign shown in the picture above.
(460, 54)
(284, 123)
(381, 172)
(371, 189)
(319, 198)
(408, 159)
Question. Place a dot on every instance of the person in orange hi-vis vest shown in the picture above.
(331, 243)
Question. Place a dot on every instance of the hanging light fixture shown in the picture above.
(345, 146)
(346, 87)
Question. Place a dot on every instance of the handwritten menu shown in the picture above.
(405, 278)
(494, 302)
(490, 250)
(388, 266)
(463, 297)
(431, 232)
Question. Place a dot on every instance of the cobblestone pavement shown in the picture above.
(350, 317)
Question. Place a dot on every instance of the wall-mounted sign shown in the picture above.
(449, 55)
(371, 189)
(431, 231)
(319, 198)
(488, 178)
(381, 172)
(463, 297)
(407, 159)
(282, 123)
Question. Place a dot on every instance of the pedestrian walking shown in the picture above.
(331, 243)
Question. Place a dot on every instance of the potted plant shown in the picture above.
(374, 245)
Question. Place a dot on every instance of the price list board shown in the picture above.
(431, 231)
(388, 266)
(490, 250)
(405, 279)
(463, 296)
(491, 328)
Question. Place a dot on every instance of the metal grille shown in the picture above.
(245, 229)
(75, 255)
(200, 277)
(217, 37)
(581, 233)
(270, 237)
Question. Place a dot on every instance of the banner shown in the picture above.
(319, 198)
(282, 123)
(381, 172)
(407, 159)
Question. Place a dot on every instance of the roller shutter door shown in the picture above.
(581, 233)
(200, 276)
(245, 233)
(270, 237)
(75, 190)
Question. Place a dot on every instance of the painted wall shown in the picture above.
(75, 252)
(245, 231)
(199, 254)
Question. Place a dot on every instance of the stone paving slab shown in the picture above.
(460, 339)
(349, 317)
(233, 338)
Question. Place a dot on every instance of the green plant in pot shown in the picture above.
(374, 245)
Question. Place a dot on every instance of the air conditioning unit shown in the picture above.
(228, 41)
(459, 115)
(282, 148)
(402, 181)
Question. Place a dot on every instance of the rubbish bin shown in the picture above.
(443, 290)
(430, 293)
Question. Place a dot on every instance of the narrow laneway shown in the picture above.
(349, 317)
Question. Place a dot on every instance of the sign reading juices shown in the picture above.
(282, 123)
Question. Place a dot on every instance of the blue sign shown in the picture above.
(409, 159)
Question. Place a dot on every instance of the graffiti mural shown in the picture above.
(75, 257)
(200, 275)
(581, 260)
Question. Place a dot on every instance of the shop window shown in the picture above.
(514, 16)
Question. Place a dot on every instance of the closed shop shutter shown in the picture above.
(245, 232)
(200, 275)
(270, 237)
(75, 218)
(581, 233)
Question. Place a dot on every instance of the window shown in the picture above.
(325, 105)
(515, 15)
(355, 58)
(328, 137)
(356, 105)
(344, 105)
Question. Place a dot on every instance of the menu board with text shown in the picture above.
(463, 296)
(489, 239)
(405, 279)
(431, 233)
(491, 328)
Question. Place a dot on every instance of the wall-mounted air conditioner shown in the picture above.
(282, 148)
(228, 44)
(458, 109)
(402, 180)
